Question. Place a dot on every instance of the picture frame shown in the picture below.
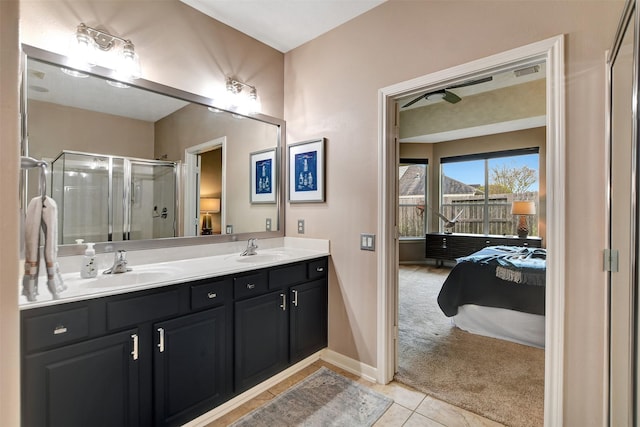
(306, 171)
(263, 179)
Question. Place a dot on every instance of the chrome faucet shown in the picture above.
(252, 245)
(119, 263)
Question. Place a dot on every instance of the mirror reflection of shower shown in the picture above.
(109, 198)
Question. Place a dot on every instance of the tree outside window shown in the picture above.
(483, 188)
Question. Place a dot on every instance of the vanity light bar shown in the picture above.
(102, 39)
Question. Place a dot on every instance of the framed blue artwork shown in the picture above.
(263, 176)
(306, 171)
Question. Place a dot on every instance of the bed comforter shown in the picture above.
(510, 277)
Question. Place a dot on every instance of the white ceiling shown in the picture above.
(47, 83)
(283, 24)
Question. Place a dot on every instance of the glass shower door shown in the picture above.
(152, 212)
(79, 187)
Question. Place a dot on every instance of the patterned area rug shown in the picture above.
(323, 398)
(497, 379)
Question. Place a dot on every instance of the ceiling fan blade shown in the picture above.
(472, 82)
(448, 96)
(410, 103)
(451, 97)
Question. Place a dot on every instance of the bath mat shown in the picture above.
(324, 398)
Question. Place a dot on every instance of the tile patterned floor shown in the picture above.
(410, 408)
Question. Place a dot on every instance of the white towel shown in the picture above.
(42, 214)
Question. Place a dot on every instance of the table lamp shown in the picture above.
(208, 205)
(523, 208)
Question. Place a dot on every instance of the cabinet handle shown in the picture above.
(60, 329)
(320, 269)
(161, 339)
(295, 297)
(134, 352)
(212, 295)
(250, 286)
(283, 306)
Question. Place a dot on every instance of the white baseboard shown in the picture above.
(350, 365)
(343, 362)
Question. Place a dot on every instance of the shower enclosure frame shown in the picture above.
(126, 190)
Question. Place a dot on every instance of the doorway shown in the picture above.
(551, 51)
(204, 204)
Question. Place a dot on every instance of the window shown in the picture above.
(412, 194)
(479, 189)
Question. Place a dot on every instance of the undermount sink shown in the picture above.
(136, 276)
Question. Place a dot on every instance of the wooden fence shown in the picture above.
(411, 217)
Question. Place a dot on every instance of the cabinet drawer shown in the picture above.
(249, 285)
(209, 294)
(282, 277)
(317, 268)
(133, 311)
(57, 328)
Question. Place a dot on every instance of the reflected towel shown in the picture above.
(42, 214)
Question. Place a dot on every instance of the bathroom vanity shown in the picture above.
(171, 351)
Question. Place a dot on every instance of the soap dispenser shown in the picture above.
(89, 268)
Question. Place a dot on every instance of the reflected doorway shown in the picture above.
(210, 191)
(205, 188)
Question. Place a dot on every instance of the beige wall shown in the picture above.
(53, 128)
(9, 137)
(331, 89)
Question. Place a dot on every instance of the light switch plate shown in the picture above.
(301, 226)
(367, 242)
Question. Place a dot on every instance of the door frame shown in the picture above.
(191, 183)
(552, 51)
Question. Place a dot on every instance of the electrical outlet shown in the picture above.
(229, 229)
(367, 242)
(301, 226)
(268, 224)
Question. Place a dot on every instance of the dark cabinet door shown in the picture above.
(93, 383)
(261, 338)
(308, 321)
(191, 366)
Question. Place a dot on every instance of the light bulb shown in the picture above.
(128, 64)
(82, 48)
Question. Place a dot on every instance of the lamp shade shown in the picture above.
(523, 207)
(210, 204)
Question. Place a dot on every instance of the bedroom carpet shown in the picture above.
(323, 398)
(497, 379)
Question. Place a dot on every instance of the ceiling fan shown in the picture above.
(445, 94)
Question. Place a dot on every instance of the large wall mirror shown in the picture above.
(143, 164)
(624, 219)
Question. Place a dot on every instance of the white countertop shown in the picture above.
(157, 268)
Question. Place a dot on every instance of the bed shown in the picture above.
(499, 292)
